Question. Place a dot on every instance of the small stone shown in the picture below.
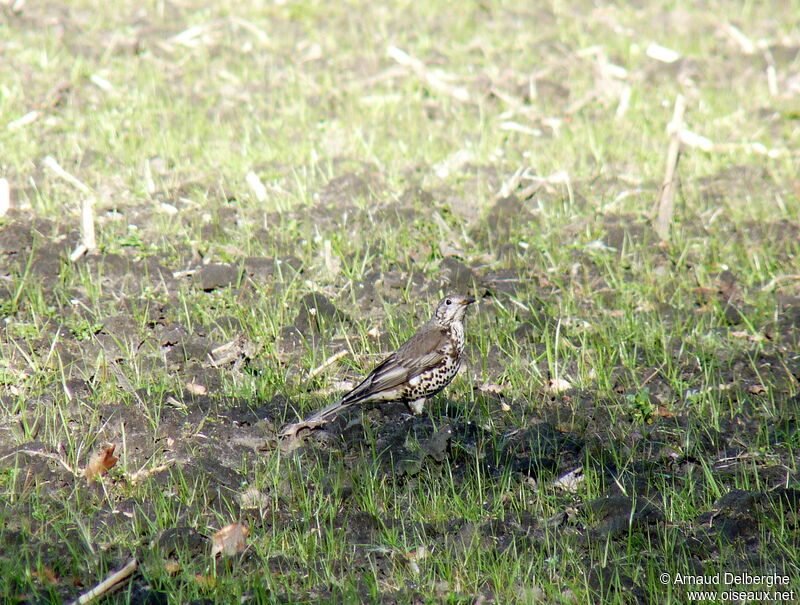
(212, 277)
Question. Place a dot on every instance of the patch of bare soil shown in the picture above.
(639, 442)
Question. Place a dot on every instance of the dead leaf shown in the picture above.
(414, 556)
(171, 566)
(196, 389)
(491, 388)
(337, 386)
(100, 463)
(662, 412)
(253, 498)
(757, 389)
(747, 335)
(419, 553)
(557, 385)
(450, 248)
(571, 480)
(143, 474)
(45, 574)
(705, 293)
(206, 582)
(230, 540)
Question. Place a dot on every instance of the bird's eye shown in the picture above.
(448, 302)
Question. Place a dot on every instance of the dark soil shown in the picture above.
(206, 439)
(142, 343)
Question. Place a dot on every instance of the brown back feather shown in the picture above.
(421, 352)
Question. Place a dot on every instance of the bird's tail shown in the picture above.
(315, 420)
(325, 414)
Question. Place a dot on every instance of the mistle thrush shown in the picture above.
(420, 368)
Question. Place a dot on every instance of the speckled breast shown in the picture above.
(432, 381)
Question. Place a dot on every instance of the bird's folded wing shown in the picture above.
(387, 376)
(421, 352)
(424, 351)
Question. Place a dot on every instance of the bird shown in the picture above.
(420, 368)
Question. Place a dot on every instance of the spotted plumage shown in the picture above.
(421, 367)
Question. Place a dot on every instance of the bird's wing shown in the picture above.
(422, 351)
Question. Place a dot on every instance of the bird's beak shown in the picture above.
(468, 301)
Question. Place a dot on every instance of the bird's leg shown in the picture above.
(417, 405)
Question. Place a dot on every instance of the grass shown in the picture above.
(682, 381)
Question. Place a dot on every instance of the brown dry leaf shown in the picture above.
(252, 498)
(450, 248)
(705, 293)
(143, 474)
(414, 556)
(491, 388)
(228, 352)
(419, 553)
(206, 582)
(748, 336)
(336, 387)
(557, 385)
(230, 540)
(45, 574)
(570, 481)
(757, 389)
(196, 389)
(100, 463)
(171, 566)
(662, 412)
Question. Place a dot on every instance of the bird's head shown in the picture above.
(451, 309)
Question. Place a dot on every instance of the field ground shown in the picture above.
(278, 183)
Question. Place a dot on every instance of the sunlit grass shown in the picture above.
(670, 396)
